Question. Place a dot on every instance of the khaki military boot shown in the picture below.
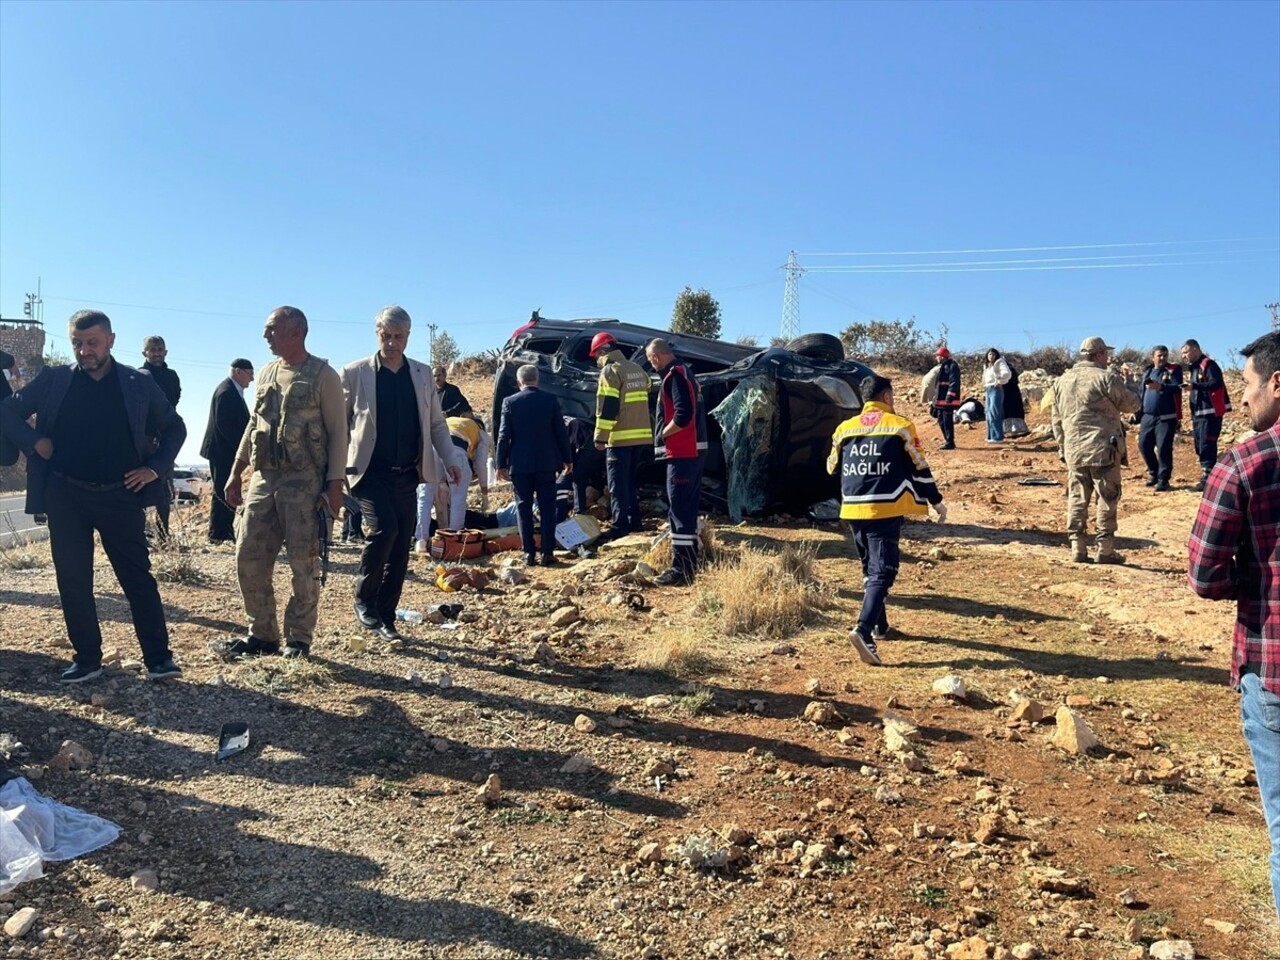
(1107, 551)
(1079, 552)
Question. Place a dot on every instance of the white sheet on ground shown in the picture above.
(34, 828)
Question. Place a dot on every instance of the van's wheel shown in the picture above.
(817, 346)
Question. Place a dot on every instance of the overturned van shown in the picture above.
(772, 412)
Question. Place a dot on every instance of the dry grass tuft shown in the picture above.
(681, 656)
(276, 675)
(659, 555)
(764, 593)
(22, 553)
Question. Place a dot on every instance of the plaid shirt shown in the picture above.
(1234, 551)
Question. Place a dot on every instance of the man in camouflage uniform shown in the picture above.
(296, 443)
(1089, 403)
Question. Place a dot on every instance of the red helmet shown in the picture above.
(601, 342)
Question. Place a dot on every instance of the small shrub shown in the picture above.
(21, 553)
(175, 562)
(764, 593)
(931, 896)
(276, 676)
(482, 364)
(677, 656)
(697, 703)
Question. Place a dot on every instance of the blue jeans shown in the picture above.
(1260, 716)
(877, 545)
(995, 413)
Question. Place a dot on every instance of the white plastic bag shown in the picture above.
(34, 828)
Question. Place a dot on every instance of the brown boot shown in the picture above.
(1079, 552)
(1107, 551)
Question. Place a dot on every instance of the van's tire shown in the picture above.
(817, 346)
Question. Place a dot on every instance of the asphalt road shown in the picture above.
(14, 523)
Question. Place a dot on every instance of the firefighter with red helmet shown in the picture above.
(623, 428)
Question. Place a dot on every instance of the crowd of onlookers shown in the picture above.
(389, 440)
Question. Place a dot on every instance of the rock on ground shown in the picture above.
(1073, 733)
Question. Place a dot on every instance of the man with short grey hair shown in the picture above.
(1089, 403)
(394, 418)
(533, 445)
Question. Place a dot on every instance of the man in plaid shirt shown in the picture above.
(1234, 552)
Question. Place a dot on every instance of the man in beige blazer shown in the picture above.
(395, 422)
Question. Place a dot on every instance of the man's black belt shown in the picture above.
(86, 485)
(411, 468)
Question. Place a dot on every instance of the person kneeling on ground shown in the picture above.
(883, 478)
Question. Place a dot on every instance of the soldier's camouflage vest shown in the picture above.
(288, 429)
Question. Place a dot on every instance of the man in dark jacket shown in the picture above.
(8, 367)
(154, 351)
(92, 466)
(1161, 411)
(533, 446)
(452, 402)
(228, 416)
(948, 397)
(679, 438)
(1209, 401)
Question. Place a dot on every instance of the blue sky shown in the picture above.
(187, 167)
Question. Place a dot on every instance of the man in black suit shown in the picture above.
(8, 367)
(228, 416)
(533, 445)
(153, 353)
(92, 465)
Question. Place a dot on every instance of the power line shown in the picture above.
(1077, 246)
(859, 268)
(978, 269)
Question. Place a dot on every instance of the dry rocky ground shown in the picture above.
(673, 781)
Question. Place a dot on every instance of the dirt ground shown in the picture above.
(706, 816)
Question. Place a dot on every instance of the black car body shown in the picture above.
(772, 412)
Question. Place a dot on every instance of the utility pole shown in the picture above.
(1275, 316)
(791, 299)
(431, 329)
(33, 308)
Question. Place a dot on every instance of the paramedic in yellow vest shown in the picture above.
(884, 477)
(623, 428)
(470, 437)
(296, 444)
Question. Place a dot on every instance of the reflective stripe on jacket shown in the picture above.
(883, 472)
(1208, 392)
(622, 403)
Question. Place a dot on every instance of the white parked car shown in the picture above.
(188, 484)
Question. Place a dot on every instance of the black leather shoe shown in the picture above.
(1162, 486)
(530, 559)
(1151, 481)
(548, 560)
(368, 619)
(390, 633)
